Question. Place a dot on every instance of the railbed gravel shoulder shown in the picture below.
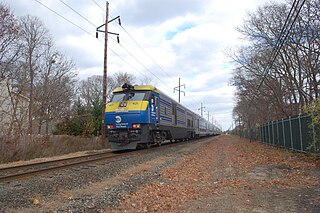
(91, 188)
(222, 174)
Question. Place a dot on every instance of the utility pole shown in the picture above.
(179, 90)
(104, 98)
(201, 109)
(208, 116)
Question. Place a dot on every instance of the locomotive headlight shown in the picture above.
(136, 126)
(110, 126)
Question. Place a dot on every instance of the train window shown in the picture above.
(136, 96)
(118, 97)
(188, 122)
(132, 96)
(156, 101)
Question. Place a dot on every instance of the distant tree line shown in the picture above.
(33, 68)
(293, 82)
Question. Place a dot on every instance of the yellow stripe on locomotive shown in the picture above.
(130, 106)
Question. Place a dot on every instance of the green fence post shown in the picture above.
(314, 145)
(300, 132)
(278, 141)
(260, 133)
(291, 137)
(264, 133)
(284, 135)
(272, 132)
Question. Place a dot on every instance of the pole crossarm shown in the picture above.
(202, 110)
(104, 31)
(104, 98)
(179, 90)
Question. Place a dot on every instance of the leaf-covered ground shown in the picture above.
(231, 174)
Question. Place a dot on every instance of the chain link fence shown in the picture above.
(295, 133)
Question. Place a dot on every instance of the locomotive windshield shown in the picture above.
(129, 96)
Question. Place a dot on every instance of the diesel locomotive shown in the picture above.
(141, 116)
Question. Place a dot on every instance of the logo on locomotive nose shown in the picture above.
(118, 119)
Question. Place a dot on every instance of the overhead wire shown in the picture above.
(99, 5)
(140, 46)
(280, 41)
(77, 13)
(61, 16)
(135, 58)
(144, 51)
(193, 105)
(56, 13)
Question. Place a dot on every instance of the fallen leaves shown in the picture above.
(35, 201)
(223, 167)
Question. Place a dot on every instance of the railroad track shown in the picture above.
(8, 174)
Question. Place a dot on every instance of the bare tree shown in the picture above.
(293, 80)
(34, 37)
(54, 90)
(147, 81)
(12, 103)
(121, 78)
(90, 90)
(9, 32)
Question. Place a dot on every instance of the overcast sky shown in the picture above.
(172, 39)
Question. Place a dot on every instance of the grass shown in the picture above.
(36, 146)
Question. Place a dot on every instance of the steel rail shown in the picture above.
(106, 155)
(4, 169)
(53, 167)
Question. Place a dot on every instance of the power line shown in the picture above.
(135, 58)
(77, 13)
(280, 42)
(61, 16)
(99, 5)
(146, 53)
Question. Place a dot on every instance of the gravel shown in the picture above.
(41, 193)
(223, 174)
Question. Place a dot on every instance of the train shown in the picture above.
(140, 116)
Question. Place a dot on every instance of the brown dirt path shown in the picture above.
(231, 174)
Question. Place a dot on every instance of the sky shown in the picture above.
(162, 40)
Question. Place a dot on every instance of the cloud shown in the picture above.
(86, 51)
(145, 12)
(182, 38)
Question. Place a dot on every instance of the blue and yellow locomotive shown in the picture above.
(140, 116)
